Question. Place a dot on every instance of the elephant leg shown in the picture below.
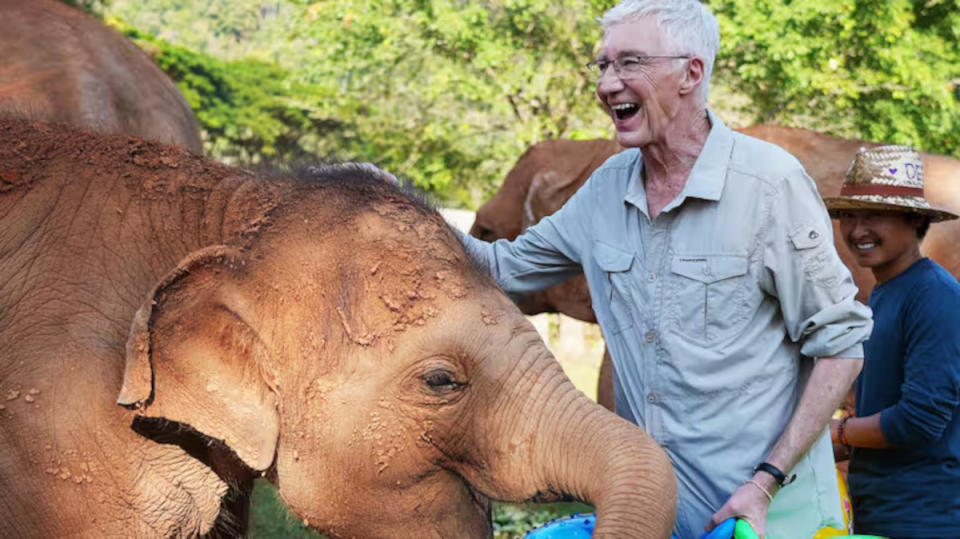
(605, 396)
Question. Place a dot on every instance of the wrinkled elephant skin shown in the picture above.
(326, 331)
(550, 172)
(62, 65)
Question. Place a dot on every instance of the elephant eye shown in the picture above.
(441, 380)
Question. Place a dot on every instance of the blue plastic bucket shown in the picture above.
(573, 527)
(581, 527)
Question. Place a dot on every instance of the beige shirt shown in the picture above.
(711, 312)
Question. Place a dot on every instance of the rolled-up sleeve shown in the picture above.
(930, 393)
(545, 254)
(804, 272)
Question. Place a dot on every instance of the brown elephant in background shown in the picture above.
(62, 65)
(551, 171)
(323, 330)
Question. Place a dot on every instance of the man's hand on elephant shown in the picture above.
(749, 502)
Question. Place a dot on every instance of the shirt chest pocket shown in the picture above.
(707, 292)
(616, 266)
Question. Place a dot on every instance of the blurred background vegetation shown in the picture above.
(449, 93)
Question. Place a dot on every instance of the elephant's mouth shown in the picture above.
(215, 454)
(480, 499)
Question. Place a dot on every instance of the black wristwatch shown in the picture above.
(778, 475)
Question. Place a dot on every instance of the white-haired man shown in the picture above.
(729, 316)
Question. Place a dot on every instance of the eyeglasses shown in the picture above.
(627, 67)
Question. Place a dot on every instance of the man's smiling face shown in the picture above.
(643, 106)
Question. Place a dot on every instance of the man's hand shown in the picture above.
(748, 503)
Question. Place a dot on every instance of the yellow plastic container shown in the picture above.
(847, 513)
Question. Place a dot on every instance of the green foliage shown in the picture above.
(513, 521)
(94, 7)
(875, 70)
(446, 92)
(269, 517)
(450, 92)
(225, 29)
(250, 111)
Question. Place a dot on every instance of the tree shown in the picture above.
(94, 7)
(862, 68)
(450, 92)
(446, 92)
(249, 111)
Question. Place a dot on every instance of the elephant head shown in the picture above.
(348, 350)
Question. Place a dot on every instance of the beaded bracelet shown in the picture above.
(841, 433)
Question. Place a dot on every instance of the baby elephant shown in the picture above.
(324, 330)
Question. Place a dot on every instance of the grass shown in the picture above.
(513, 520)
(270, 518)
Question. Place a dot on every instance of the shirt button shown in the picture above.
(651, 397)
(650, 336)
(707, 271)
(814, 235)
(653, 277)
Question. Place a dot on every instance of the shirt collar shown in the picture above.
(707, 176)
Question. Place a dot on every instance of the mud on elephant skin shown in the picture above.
(548, 174)
(62, 65)
(324, 330)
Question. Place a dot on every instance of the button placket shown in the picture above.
(658, 242)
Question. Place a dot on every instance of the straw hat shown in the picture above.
(885, 178)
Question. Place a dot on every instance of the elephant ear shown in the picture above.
(194, 358)
(549, 190)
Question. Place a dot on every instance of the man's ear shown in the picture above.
(193, 357)
(693, 73)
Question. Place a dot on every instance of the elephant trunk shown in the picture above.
(603, 459)
(549, 442)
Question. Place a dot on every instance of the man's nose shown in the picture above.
(609, 81)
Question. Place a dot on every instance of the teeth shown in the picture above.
(623, 106)
(865, 246)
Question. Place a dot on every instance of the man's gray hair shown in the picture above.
(686, 25)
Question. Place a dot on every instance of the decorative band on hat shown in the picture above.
(861, 189)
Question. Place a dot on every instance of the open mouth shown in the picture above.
(864, 247)
(625, 110)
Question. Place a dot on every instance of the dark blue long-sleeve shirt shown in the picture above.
(911, 374)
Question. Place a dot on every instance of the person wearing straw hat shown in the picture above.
(904, 440)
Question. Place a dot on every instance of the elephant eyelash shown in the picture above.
(442, 381)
